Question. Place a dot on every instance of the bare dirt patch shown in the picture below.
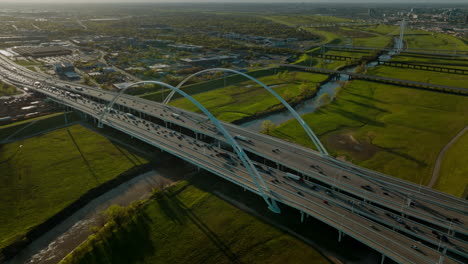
(345, 142)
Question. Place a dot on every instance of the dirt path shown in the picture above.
(435, 172)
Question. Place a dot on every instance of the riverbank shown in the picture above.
(387, 128)
(63, 238)
(206, 210)
(241, 100)
(13, 249)
(280, 107)
(39, 188)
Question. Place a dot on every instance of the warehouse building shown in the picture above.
(41, 51)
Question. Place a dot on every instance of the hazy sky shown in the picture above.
(236, 1)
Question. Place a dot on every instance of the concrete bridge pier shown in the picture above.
(383, 259)
(340, 235)
(302, 217)
(442, 256)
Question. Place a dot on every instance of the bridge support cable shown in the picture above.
(299, 119)
(258, 180)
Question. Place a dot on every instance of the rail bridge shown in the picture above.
(353, 75)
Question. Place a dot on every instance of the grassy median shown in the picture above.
(40, 176)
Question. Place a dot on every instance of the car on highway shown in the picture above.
(242, 138)
(131, 116)
(367, 188)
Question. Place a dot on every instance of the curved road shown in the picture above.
(435, 172)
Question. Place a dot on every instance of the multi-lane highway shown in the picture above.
(404, 221)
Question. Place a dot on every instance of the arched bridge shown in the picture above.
(392, 216)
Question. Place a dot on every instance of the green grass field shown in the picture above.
(7, 90)
(388, 128)
(245, 99)
(30, 120)
(382, 29)
(312, 61)
(351, 54)
(453, 171)
(42, 175)
(327, 36)
(186, 224)
(435, 41)
(209, 85)
(441, 78)
(312, 19)
(27, 63)
(32, 126)
(433, 60)
(379, 41)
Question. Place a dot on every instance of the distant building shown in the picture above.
(72, 75)
(94, 74)
(157, 42)
(66, 70)
(120, 86)
(156, 26)
(41, 51)
(108, 70)
(278, 42)
(92, 66)
(135, 69)
(63, 67)
(210, 61)
(231, 36)
(159, 66)
(21, 38)
(186, 47)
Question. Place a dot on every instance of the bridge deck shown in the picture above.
(392, 243)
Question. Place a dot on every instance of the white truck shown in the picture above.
(130, 116)
(293, 176)
(242, 138)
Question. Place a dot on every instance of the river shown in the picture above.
(54, 245)
(309, 106)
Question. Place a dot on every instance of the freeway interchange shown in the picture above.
(406, 222)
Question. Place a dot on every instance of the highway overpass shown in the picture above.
(405, 222)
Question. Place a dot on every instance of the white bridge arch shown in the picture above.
(257, 178)
(298, 117)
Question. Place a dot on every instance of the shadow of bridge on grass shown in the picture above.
(177, 211)
(88, 164)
